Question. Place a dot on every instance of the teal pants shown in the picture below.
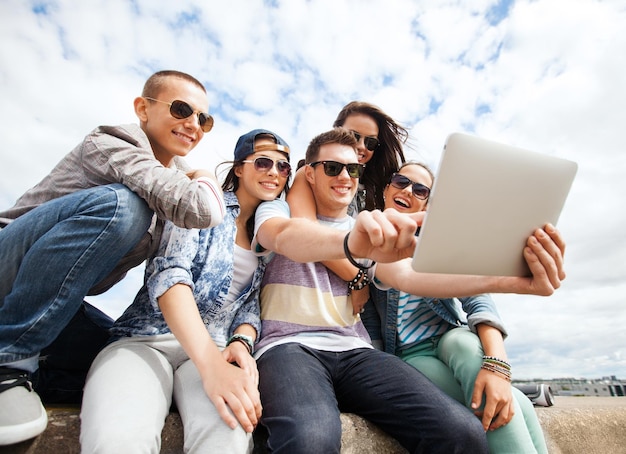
(452, 361)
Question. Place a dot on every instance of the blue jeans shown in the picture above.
(303, 392)
(63, 365)
(51, 257)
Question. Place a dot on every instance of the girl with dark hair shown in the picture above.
(189, 335)
(380, 139)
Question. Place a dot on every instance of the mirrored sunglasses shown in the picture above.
(334, 168)
(419, 190)
(370, 142)
(181, 110)
(264, 164)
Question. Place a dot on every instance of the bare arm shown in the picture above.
(225, 384)
(197, 173)
(383, 237)
(302, 205)
(544, 254)
(300, 198)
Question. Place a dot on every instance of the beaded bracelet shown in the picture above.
(505, 373)
(494, 360)
(354, 284)
(351, 259)
(359, 275)
(491, 368)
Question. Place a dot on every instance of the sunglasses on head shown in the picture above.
(334, 168)
(181, 110)
(370, 142)
(419, 190)
(264, 164)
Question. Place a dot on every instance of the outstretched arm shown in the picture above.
(383, 237)
(544, 253)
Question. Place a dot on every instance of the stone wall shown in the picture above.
(574, 425)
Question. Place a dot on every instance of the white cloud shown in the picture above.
(545, 75)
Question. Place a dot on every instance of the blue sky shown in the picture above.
(546, 75)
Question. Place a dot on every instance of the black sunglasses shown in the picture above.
(264, 164)
(182, 110)
(370, 142)
(419, 190)
(334, 168)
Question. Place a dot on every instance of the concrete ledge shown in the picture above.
(590, 425)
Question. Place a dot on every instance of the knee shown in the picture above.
(107, 444)
(132, 212)
(109, 436)
(473, 438)
(462, 342)
(308, 441)
(468, 436)
(115, 205)
(119, 212)
(307, 438)
(216, 438)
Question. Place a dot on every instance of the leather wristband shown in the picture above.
(244, 339)
(346, 250)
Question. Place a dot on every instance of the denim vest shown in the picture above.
(381, 314)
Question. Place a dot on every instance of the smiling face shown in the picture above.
(255, 185)
(333, 194)
(171, 136)
(403, 200)
(365, 126)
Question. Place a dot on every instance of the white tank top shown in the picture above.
(245, 265)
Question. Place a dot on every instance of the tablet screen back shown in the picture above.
(486, 200)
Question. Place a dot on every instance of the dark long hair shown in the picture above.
(387, 157)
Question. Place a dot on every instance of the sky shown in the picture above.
(544, 75)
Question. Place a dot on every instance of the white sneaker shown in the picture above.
(22, 416)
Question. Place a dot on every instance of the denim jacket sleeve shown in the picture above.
(482, 309)
(203, 260)
(173, 262)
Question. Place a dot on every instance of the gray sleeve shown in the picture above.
(124, 155)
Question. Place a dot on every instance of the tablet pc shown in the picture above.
(487, 199)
